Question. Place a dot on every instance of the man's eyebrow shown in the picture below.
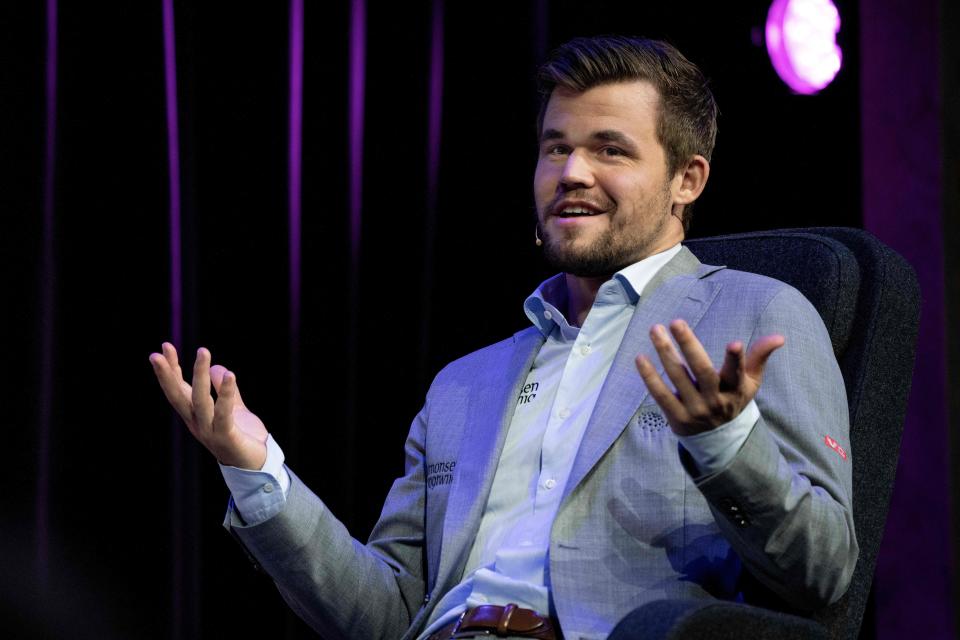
(612, 135)
(552, 134)
(604, 135)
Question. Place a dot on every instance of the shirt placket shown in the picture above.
(568, 418)
(576, 395)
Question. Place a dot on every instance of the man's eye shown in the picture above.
(611, 151)
(557, 150)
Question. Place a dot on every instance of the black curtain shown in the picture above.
(112, 526)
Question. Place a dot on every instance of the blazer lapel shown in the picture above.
(483, 436)
(675, 292)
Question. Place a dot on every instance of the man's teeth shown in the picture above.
(577, 211)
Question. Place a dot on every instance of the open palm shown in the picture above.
(226, 427)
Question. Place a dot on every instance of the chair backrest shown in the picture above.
(869, 299)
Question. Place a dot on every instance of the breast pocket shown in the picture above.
(649, 418)
(650, 480)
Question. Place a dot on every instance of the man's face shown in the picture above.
(602, 192)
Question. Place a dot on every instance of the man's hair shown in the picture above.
(687, 114)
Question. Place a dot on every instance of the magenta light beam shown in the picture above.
(358, 63)
(434, 128)
(355, 105)
(173, 157)
(295, 164)
(176, 302)
(42, 506)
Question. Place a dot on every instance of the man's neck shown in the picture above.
(582, 291)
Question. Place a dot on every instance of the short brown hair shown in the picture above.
(687, 118)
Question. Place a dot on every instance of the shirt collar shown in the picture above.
(544, 304)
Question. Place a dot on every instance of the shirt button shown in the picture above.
(550, 484)
(548, 315)
(585, 349)
(564, 414)
(268, 488)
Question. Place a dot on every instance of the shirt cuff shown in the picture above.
(713, 450)
(259, 495)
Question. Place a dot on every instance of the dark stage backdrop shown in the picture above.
(336, 200)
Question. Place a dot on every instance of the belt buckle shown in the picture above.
(456, 627)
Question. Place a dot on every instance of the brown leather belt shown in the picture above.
(492, 620)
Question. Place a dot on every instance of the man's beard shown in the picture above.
(612, 250)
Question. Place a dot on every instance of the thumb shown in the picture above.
(760, 351)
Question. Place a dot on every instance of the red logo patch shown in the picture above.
(833, 444)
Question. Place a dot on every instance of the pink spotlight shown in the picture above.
(801, 41)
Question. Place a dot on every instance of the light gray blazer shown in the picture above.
(635, 523)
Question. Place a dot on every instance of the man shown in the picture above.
(560, 477)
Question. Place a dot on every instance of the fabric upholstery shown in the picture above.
(698, 620)
(869, 299)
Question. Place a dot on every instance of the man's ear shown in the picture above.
(689, 182)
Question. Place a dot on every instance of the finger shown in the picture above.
(170, 352)
(668, 402)
(216, 377)
(226, 402)
(698, 361)
(759, 352)
(178, 399)
(673, 365)
(732, 370)
(217, 372)
(202, 402)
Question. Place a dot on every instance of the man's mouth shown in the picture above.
(576, 212)
(579, 208)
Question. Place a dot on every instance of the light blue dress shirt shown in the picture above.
(509, 558)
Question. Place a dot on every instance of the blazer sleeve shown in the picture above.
(785, 500)
(339, 586)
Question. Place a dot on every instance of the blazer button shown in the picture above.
(730, 506)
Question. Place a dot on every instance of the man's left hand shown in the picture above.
(705, 398)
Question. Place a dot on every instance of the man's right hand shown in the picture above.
(226, 427)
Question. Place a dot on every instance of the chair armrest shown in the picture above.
(706, 620)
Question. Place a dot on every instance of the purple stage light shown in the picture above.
(173, 162)
(42, 505)
(295, 165)
(358, 70)
(176, 306)
(801, 41)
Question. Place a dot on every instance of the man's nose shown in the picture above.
(577, 172)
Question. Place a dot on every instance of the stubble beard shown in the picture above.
(615, 248)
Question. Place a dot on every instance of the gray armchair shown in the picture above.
(869, 299)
